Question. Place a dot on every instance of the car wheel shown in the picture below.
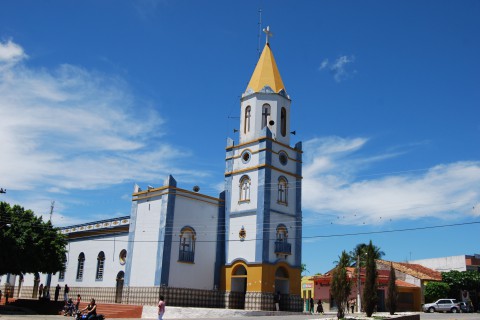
(454, 310)
(431, 309)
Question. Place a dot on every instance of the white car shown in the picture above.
(448, 305)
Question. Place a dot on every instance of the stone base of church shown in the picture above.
(180, 297)
(265, 301)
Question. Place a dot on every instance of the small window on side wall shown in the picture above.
(187, 245)
(80, 266)
(122, 257)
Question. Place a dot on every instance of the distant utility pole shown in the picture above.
(51, 210)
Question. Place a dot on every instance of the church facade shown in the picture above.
(237, 249)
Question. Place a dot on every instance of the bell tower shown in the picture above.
(263, 197)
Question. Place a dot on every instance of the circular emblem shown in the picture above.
(242, 234)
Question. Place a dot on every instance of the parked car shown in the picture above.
(447, 305)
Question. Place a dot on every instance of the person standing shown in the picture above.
(40, 291)
(79, 298)
(276, 299)
(352, 305)
(66, 290)
(320, 306)
(57, 292)
(161, 308)
(311, 305)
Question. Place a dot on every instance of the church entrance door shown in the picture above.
(239, 287)
(119, 287)
(282, 285)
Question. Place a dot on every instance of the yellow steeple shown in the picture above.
(266, 73)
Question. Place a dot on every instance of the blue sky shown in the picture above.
(98, 95)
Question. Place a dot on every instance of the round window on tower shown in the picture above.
(246, 155)
(282, 156)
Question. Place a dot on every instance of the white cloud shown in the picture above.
(332, 188)
(338, 68)
(324, 64)
(10, 53)
(72, 128)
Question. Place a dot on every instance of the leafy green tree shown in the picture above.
(370, 288)
(28, 244)
(341, 287)
(436, 290)
(463, 280)
(392, 292)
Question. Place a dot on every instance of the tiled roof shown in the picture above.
(415, 270)
(403, 284)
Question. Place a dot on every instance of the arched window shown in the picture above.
(282, 190)
(122, 257)
(187, 245)
(100, 266)
(81, 265)
(265, 115)
(246, 125)
(61, 274)
(281, 244)
(245, 188)
(283, 121)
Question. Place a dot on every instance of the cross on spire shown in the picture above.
(268, 33)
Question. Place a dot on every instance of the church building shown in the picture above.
(237, 249)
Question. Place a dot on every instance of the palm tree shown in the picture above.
(360, 250)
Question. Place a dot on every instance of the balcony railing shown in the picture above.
(282, 247)
(186, 256)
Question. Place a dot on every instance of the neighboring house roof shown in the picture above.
(403, 284)
(414, 270)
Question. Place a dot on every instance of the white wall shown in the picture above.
(147, 228)
(244, 249)
(203, 218)
(91, 248)
(444, 264)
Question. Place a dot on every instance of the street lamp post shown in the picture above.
(359, 303)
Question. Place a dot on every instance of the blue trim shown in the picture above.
(263, 202)
(243, 213)
(164, 251)
(298, 209)
(131, 239)
(229, 162)
(268, 195)
(228, 199)
(284, 213)
(220, 254)
(94, 222)
(108, 235)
